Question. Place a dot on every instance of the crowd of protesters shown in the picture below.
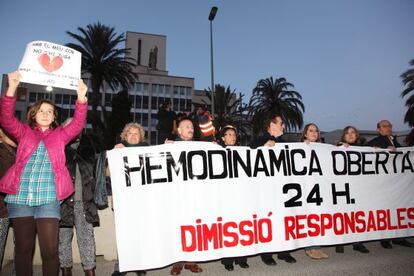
(49, 174)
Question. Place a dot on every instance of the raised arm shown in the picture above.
(12, 125)
(79, 119)
(14, 80)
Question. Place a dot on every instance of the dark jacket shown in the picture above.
(166, 120)
(383, 142)
(178, 139)
(356, 144)
(261, 140)
(140, 144)
(84, 156)
(7, 158)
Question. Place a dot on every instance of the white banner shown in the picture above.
(51, 64)
(196, 201)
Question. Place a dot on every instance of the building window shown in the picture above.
(167, 91)
(188, 105)
(145, 87)
(21, 94)
(182, 104)
(161, 90)
(132, 100)
(32, 97)
(73, 99)
(65, 114)
(139, 52)
(66, 99)
(154, 89)
(175, 104)
(154, 103)
(144, 119)
(58, 98)
(138, 118)
(160, 101)
(145, 102)
(138, 99)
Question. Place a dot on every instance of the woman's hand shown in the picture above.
(82, 89)
(392, 148)
(118, 146)
(270, 143)
(14, 80)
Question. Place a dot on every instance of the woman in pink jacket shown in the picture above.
(39, 180)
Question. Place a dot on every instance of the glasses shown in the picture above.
(387, 125)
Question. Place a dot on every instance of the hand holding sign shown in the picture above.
(14, 80)
(82, 89)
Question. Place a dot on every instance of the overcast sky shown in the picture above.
(344, 56)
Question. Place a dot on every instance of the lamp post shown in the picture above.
(211, 17)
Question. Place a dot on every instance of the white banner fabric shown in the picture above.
(50, 64)
(197, 201)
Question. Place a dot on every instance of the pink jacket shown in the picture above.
(28, 139)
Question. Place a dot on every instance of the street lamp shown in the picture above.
(211, 17)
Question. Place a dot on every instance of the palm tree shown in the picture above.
(102, 59)
(408, 81)
(276, 96)
(226, 104)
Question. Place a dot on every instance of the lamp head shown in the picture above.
(212, 13)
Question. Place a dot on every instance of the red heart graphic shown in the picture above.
(50, 65)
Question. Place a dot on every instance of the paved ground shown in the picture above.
(387, 262)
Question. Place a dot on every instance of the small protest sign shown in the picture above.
(51, 64)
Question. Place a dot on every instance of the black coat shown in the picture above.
(84, 156)
(261, 140)
(7, 158)
(166, 120)
(383, 142)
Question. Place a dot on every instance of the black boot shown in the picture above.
(360, 247)
(402, 242)
(339, 249)
(285, 256)
(386, 244)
